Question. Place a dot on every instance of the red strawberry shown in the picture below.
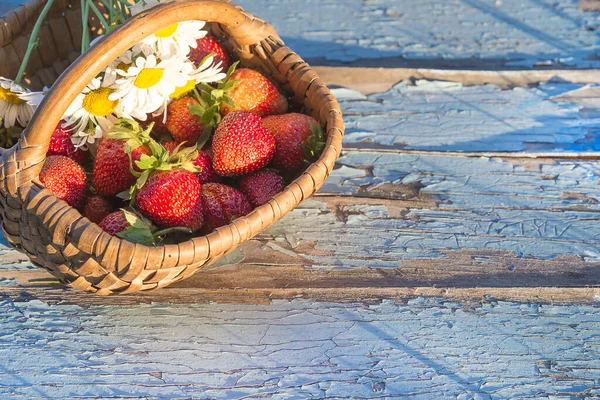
(111, 173)
(96, 208)
(255, 93)
(61, 145)
(261, 187)
(222, 204)
(114, 223)
(203, 161)
(172, 199)
(65, 179)
(241, 144)
(183, 125)
(290, 132)
(206, 46)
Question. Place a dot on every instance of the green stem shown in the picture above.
(32, 41)
(103, 21)
(85, 37)
(170, 230)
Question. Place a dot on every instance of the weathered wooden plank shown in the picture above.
(427, 348)
(434, 34)
(447, 116)
(383, 79)
(515, 229)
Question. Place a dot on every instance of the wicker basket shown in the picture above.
(56, 236)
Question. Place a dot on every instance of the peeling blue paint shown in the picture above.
(428, 348)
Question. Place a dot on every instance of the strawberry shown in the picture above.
(114, 223)
(61, 145)
(112, 172)
(261, 187)
(96, 208)
(222, 204)
(167, 192)
(172, 199)
(183, 125)
(254, 92)
(206, 46)
(203, 161)
(291, 132)
(241, 144)
(133, 228)
(65, 179)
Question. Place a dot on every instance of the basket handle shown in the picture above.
(22, 164)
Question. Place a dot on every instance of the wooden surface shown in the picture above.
(453, 253)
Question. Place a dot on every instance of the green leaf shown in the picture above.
(205, 136)
(197, 109)
(147, 162)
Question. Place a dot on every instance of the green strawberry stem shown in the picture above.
(142, 231)
(316, 144)
(209, 100)
(159, 159)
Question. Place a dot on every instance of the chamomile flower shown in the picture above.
(34, 98)
(146, 85)
(175, 40)
(13, 109)
(82, 139)
(208, 71)
(93, 105)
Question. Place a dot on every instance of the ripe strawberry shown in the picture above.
(261, 187)
(290, 132)
(65, 179)
(61, 145)
(254, 92)
(167, 192)
(222, 204)
(183, 125)
(241, 144)
(96, 208)
(114, 223)
(203, 161)
(112, 165)
(206, 46)
(172, 199)
(111, 173)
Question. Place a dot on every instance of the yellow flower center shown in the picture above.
(10, 97)
(97, 103)
(148, 77)
(166, 32)
(181, 90)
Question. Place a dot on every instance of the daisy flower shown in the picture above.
(146, 85)
(175, 40)
(13, 109)
(34, 98)
(206, 72)
(82, 139)
(93, 105)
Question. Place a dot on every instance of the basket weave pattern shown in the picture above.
(56, 236)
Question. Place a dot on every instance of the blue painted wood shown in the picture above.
(428, 348)
(464, 33)
(447, 116)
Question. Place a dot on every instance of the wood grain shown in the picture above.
(427, 348)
